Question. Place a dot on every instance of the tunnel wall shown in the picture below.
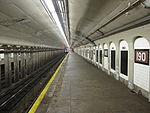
(129, 36)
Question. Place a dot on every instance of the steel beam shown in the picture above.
(137, 23)
(86, 38)
(128, 8)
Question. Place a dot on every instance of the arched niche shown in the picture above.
(141, 63)
(124, 59)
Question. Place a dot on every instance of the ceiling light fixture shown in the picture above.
(59, 3)
(50, 6)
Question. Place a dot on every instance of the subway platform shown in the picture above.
(79, 87)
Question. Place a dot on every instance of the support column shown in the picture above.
(16, 69)
(0, 76)
(7, 68)
(38, 61)
(149, 84)
(33, 59)
(31, 62)
(131, 65)
(117, 60)
(109, 63)
(27, 63)
(22, 66)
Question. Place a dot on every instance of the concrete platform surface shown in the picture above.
(82, 88)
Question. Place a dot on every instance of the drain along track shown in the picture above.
(10, 100)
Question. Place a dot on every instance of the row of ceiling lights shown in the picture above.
(51, 9)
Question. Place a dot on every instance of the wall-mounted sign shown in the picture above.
(106, 52)
(142, 56)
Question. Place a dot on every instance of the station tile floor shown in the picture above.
(82, 88)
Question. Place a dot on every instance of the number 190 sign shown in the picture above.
(142, 56)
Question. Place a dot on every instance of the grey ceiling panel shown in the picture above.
(87, 16)
(27, 22)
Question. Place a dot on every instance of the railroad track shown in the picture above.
(10, 98)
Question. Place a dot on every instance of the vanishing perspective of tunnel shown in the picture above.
(74, 56)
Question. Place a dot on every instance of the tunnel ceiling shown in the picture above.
(26, 22)
(86, 16)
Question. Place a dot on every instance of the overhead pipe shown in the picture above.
(130, 7)
(85, 38)
(68, 20)
(137, 23)
(88, 39)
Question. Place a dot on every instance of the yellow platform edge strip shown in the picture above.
(41, 96)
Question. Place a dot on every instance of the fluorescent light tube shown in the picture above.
(52, 10)
(59, 3)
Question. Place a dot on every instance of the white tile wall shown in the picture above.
(141, 71)
(141, 76)
(106, 63)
